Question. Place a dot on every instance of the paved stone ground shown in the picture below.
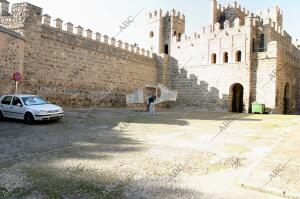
(284, 178)
(119, 153)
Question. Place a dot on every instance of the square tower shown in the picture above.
(163, 27)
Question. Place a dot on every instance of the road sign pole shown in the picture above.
(16, 91)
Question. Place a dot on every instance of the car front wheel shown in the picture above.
(29, 119)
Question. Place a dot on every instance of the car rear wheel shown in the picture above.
(1, 116)
(29, 119)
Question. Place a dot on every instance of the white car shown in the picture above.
(29, 108)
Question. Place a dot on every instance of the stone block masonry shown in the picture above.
(238, 59)
(11, 58)
(71, 69)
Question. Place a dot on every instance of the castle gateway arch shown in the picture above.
(237, 97)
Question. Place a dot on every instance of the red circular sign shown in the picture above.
(17, 76)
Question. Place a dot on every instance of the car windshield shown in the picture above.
(35, 100)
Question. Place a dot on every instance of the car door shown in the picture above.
(5, 106)
(17, 108)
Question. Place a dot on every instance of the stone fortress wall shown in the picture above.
(72, 68)
(239, 54)
(11, 58)
(204, 66)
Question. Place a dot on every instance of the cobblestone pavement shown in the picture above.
(119, 153)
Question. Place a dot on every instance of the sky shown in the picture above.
(106, 16)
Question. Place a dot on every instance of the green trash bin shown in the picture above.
(258, 108)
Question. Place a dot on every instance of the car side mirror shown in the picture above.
(19, 105)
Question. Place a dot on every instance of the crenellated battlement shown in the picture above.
(160, 13)
(233, 6)
(226, 14)
(275, 9)
(217, 30)
(297, 43)
(177, 14)
(188, 37)
(277, 29)
(270, 18)
(275, 14)
(79, 31)
(236, 25)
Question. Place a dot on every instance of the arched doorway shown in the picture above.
(286, 99)
(166, 49)
(237, 95)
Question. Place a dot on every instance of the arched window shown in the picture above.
(238, 56)
(166, 49)
(151, 34)
(225, 57)
(213, 58)
(175, 33)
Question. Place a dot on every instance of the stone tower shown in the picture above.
(213, 12)
(4, 8)
(275, 14)
(226, 15)
(163, 28)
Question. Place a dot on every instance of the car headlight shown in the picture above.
(42, 112)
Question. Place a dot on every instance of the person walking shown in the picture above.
(151, 103)
(148, 104)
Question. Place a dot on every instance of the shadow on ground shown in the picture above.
(42, 152)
